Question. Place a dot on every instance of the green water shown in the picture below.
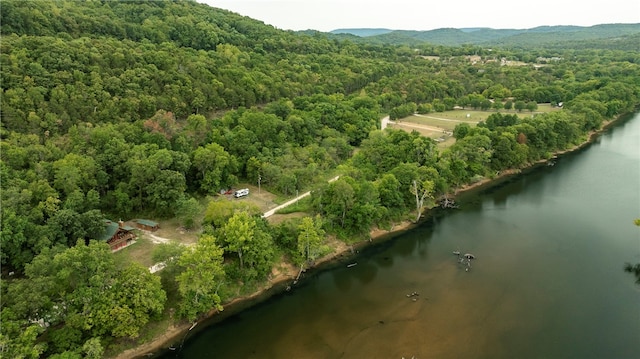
(548, 281)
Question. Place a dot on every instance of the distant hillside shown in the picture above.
(600, 36)
(361, 32)
(534, 37)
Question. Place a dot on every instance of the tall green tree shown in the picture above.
(260, 256)
(238, 234)
(390, 191)
(335, 200)
(216, 168)
(187, 211)
(310, 237)
(201, 277)
(245, 236)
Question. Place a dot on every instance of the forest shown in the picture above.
(121, 109)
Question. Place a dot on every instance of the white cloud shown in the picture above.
(326, 15)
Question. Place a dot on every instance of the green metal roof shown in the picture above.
(111, 228)
(147, 222)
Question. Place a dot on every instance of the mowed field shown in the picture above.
(440, 125)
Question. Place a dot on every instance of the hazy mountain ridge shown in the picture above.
(362, 32)
(488, 36)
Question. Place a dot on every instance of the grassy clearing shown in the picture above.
(439, 130)
(449, 119)
(139, 252)
(439, 125)
(303, 205)
(259, 197)
(279, 218)
(170, 230)
(173, 230)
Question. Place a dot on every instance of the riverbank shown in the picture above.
(536, 267)
(285, 274)
(281, 277)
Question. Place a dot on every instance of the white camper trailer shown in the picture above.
(241, 193)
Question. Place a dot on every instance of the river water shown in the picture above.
(547, 281)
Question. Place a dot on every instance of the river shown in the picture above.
(547, 281)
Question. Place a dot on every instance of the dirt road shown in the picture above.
(290, 202)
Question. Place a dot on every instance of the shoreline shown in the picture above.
(175, 331)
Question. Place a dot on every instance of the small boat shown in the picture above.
(456, 253)
(351, 265)
(469, 256)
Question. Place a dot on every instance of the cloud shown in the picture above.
(326, 15)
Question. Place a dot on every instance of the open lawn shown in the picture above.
(449, 119)
(440, 125)
(261, 198)
(141, 250)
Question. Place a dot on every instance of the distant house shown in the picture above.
(118, 235)
(146, 224)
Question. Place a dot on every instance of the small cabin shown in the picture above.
(147, 225)
(117, 235)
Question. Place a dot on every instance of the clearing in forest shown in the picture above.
(439, 125)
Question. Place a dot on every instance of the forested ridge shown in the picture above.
(149, 108)
(603, 36)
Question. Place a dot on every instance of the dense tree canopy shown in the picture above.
(83, 294)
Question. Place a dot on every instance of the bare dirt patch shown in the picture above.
(440, 135)
(284, 270)
(171, 230)
(156, 239)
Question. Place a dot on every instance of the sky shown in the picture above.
(327, 15)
